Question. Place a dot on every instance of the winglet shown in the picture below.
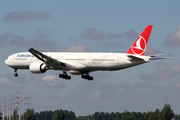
(139, 46)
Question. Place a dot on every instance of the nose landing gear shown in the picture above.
(15, 74)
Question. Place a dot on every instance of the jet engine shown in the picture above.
(38, 67)
(75, 72)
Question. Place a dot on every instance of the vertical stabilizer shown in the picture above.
(139, 46)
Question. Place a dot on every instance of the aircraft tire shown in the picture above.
(15, 75)
(91, 78)
(60, 75)
(83, 76)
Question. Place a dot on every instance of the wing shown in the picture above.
(50, 62)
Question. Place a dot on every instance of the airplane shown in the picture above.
(82, 63)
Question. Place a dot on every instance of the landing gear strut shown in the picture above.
(65, 76)
(15, 74)
(87, 76)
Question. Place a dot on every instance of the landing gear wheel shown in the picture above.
(60, 75)
(69, 77)
(15, 75)
(83, 76)
(86, 76)
(90, 78)
(65, 76)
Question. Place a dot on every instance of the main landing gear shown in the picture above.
(15, 74)
(65, 76)
(87, 76)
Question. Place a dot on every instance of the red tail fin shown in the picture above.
(139, 46)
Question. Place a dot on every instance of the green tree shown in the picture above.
(96, 116)
(167, 112)
(72, 115)
(28, 115)
(156, 114)
(118, 116)
(103, 116)
(108, 116)
(113, 116)
(0, 115)
(177, 117)
(58, 115)
(15, 115)
(127, 115)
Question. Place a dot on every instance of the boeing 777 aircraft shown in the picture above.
(82, 63)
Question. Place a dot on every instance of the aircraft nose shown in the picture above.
(7, 62)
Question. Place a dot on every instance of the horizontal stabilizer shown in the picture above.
(153, 58)
(133, 57)
(156, 55)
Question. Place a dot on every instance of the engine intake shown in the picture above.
(38, 67)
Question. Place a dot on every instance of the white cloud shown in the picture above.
(107, 103)
(150, 50)
(173, 39)
(175, 68)
(27, 41)
(62, 95)
(95, 96)
(49, 78)
(165, 71)
(25, 15)
(76, 48)
(155, 76)
(93, 33)
(5, 82)
(130, 35)
(51, 81)
(121, 90)
(175, 85)
(101, 74)
(96, 34)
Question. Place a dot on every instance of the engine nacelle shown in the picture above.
(75, 72)
(37, 67)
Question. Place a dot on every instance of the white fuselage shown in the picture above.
(81, 61)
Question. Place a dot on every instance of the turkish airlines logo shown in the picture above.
(139, 46)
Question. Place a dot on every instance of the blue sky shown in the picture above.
(93, 26)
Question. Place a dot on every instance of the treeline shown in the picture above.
(50, 115)
(165, 114)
